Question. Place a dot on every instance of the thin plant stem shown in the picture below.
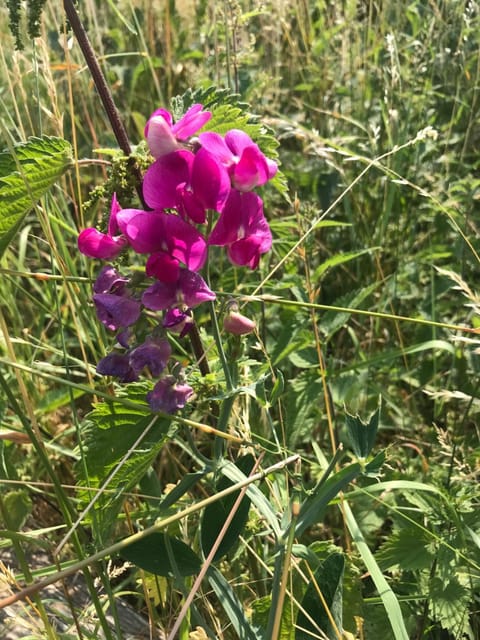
(118, 547)
(210, 557)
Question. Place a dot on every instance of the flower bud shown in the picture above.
(236, 323)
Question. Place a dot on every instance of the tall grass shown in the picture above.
(369, 292)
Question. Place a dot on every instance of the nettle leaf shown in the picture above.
(362, 434)
(119, 443)
(26, 174)
(163, 555)
(313, 614)
(410, 549)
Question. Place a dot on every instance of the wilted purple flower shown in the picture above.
(163, 136)
(247, 165)
(105, 246)
(189, 290)
(154, 231)
(109, 280)
(189, 182)
(178, 321)
(152, 354)
(117, 365)
(168, 395)
(243, 229)
(116, 311)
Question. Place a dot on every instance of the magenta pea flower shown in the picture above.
(105, 246)
(248, 167)
(169, 395)
(156, 231)
(243, 229)
(163, 136)
(188, 291)
(189, 182)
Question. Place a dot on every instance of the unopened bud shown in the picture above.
(236, 323)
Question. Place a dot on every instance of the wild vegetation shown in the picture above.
(319, 477)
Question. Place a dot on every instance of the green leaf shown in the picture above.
(17, 505)
(313, 614)
(163, 555)
(26, 174)
(233, 607)
(313, 508)
(409, 548)
(362, 434)
(119, 444)
(214, 516)
(340, 258)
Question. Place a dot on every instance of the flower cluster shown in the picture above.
(191, 181)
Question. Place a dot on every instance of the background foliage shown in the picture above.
(373, 274)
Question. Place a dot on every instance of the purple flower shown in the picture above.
(189, 182)
(152, 354)
(178, 321)
(94, 244)
(118, 365)
(154, 231)
(163, 136)
(248, 167)
(243, 229)
(188, 291)
(168, 395)
(116, 311)
(109, 281)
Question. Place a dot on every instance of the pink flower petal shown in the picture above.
(163, 176)
(191, 122)
(210, 181)
(160, 137)
(94, 244)
(216, 145)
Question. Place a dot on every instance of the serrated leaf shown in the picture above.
(313, 614)
(362, 434)
(26, 174)
(119, 443)
(409, 548)
(449, 604)
(163, 555)
(214, 516)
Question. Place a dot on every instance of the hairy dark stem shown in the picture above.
(102, 87)
(198, 350)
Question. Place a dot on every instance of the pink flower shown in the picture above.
(163, 136)
(156, 231)
(243, 229)
(94, 244)
(236, 323)
(247, 165)
(189, 182)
